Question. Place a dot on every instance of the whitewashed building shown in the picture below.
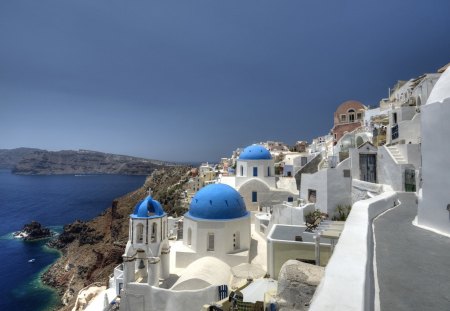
(434, 197)
(216, 225)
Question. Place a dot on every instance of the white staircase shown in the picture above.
(399, 159)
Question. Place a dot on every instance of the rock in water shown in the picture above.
(34, 231)
(297, 283)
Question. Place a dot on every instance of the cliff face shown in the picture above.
(10, 157)
(42, 162)
(91, 250)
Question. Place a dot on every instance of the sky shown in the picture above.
(194, 80)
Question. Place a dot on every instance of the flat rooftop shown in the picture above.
(413, 264)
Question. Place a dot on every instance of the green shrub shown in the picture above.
(342, 212)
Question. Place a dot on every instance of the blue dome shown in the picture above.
(255, 152)
(148, 208)
(217, 201)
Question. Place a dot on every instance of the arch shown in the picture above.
(255, 184)
(154, 232)
(189, 239)
(139, 233)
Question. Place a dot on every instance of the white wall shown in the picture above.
(147, 298)
(411, 154)
(348, 283)
(286, 214)
(282, 247)
(265, 195)
(435, 193)
(332, 187)
(408, 125)
(223, 239)
(264, 166)
(388, 171)
(287, 183)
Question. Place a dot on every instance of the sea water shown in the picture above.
(53, 201)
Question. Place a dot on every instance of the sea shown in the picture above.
(53, 201)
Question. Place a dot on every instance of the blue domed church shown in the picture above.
(218, 225)
(146, 257)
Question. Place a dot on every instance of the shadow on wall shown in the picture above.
(310, 168)
(253, 249)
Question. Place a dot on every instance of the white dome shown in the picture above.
(441, 91)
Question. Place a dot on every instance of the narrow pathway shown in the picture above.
(413, 264)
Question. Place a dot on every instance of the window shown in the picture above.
(255, 171)
(140, 233)
(343, 118)
(359, 116)
(312, 194)
(254, 196)
(210, 246)
(394, 118)
(268, 171)
(242, 170)
(351, 117)
(347, 173)
(154, 232)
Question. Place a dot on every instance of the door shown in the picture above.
(410, 180)
(368, 167)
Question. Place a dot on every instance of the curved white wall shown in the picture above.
(435, 194)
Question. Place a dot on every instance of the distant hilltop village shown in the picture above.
(358, 219)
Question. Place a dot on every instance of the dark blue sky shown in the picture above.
(193, 80)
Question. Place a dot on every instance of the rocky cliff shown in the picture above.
(10, 157)
(91, 250)
(42, 162)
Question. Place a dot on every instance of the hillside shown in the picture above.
(10, 157)
(91, 250)
(42, 162)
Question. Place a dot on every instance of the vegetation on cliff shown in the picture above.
(91, 250)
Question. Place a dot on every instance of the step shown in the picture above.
(397, 155)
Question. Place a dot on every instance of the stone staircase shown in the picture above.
(399, 159)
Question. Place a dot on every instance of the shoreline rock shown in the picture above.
(33, 231)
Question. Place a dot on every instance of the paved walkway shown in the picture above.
(413, 264)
